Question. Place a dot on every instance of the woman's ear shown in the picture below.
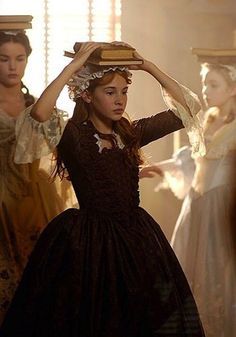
(86, 96)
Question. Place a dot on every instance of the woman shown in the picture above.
(106, 269)
(25, 191)
(204, 235)
(205, 222)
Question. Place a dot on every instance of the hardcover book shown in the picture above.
(109, 61)
(215, 55)
(110, 51)
(116, 62)
(16, 18)
(15, 25)
(109, 54)
(15, 22)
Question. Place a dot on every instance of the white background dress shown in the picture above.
(203, 239)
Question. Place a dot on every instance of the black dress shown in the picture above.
(105, 270)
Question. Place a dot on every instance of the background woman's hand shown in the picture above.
(150, 172)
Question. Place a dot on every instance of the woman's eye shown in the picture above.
(21, 59)
(3, 59)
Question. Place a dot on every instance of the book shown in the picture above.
(118, 62)
(114, 53)
(115, 62)
(16, 18)
(68, 53)
(215, 55)
(15, 25)
(15, 22)
(214, 52)
(110, 51)
(110, 61)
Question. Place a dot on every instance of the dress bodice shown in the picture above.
(213, 172)
(107, 180)
(216, 168)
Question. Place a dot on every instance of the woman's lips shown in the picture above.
(12, 75)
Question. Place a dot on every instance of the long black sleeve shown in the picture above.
(157, 126)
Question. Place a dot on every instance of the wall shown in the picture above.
(164, 31)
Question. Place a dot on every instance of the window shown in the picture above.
(56, 27)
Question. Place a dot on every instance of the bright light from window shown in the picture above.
(56, 27)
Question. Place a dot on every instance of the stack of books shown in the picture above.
(109, 54)
(15, 22)
(223, 56)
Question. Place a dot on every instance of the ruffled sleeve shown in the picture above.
(189, 118)
(37, 139)
(178, 172)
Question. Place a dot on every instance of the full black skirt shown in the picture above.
(93, 275)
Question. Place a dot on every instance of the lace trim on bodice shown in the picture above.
(222, 141)
(115, 141)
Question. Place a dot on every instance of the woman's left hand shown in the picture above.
(150, 172)
(136, 55)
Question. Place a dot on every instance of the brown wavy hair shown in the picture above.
(22, 39)
(124, 127)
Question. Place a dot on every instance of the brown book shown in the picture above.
(114, 62)
(214, 52)
(215, 55)
(15, 25)
(16, 18)
(70, 54)
(114, 53)
(109, 61)
(110, 51)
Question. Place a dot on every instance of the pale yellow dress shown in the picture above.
(28, 201)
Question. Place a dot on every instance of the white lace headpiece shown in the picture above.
(13, 32)
(80, 80)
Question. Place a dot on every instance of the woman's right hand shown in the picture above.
(82, 55)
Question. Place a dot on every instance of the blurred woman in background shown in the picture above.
(25, 190)
(204, 235)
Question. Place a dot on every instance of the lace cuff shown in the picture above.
(189, 118)
(178, 173)
(35, 139)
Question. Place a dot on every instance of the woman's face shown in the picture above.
(109, 101)
(13, 60)
(215, 89)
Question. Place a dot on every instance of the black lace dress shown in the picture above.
(105, 270)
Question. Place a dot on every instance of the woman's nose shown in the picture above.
(12, 65)
(119, 99)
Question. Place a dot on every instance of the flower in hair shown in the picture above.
(80, 80)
